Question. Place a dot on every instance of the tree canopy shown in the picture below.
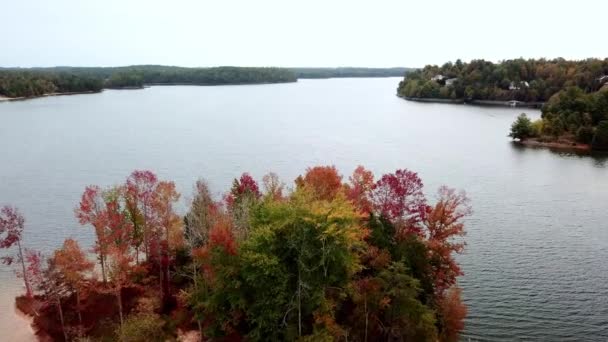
(533, 80)
(328, 260)
(32, 82)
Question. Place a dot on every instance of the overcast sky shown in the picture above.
(296, 33)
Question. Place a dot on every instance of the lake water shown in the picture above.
(536, 263)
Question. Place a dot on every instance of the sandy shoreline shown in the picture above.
(556, 145)
(512, 104)
(7, 99)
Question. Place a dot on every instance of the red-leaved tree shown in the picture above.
(92, 210)
(444, 225)
(359, 188)
(399, 197)
(324, 181)
(11, 230)
(140, 196)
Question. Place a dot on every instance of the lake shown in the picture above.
(536, 263)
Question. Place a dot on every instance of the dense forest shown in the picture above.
(531, 80)
(27, 83)
(570, 116)
(325, 260)
(39, 81)
(32, 82)
(350, 72)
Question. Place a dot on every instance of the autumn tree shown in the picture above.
(139, 196)
(92, 210)
(11, 234)
(451, 312)
(305, 248)
(444, 224)
(398, 196)
(120, 272)
(273, 187)
(323, 181)
(163, 205)
(216, 296)
(204, 214)
(71, 262)
(171, 229)
(243, 195)
(444, 228)
(53, 288)
(200, 217)
(359, 188)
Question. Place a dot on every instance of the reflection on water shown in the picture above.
(597, 158)
(535, 264)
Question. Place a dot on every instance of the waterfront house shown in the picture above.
(517, 86)
(438, 78)
(450, 81)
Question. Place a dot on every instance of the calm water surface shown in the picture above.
(536, 263)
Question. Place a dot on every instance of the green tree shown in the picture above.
(522, 128)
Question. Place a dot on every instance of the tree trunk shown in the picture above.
(65, 334)
(167, 255)
(194, 277)
(103, 267)
(299, 302)
(366, 319)
(28, 289)
(119, 297)
(78, 308)
(160, 276)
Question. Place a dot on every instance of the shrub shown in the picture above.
(600, 139)
(141, 327)
(537, 127)
(584, 134)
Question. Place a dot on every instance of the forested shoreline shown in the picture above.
(526, 80)
(327, 259)
(349, 72)
(35, 82)
(572, 95)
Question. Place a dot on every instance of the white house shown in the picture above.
(450, 81)
(438, 78)
(517, 86)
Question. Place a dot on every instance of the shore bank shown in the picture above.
(8, 99)
(556, 145)
(518, 104)
(147, 85)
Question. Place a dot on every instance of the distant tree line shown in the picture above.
(533, 80)
(39, 81)
(31, 82)
(350, 72)
(27, 83)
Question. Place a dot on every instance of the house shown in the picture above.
(438, 78)
(450, 81)
(517, 86)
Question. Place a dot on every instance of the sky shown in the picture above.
(312, 33)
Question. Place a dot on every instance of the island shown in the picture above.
(360, 260)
